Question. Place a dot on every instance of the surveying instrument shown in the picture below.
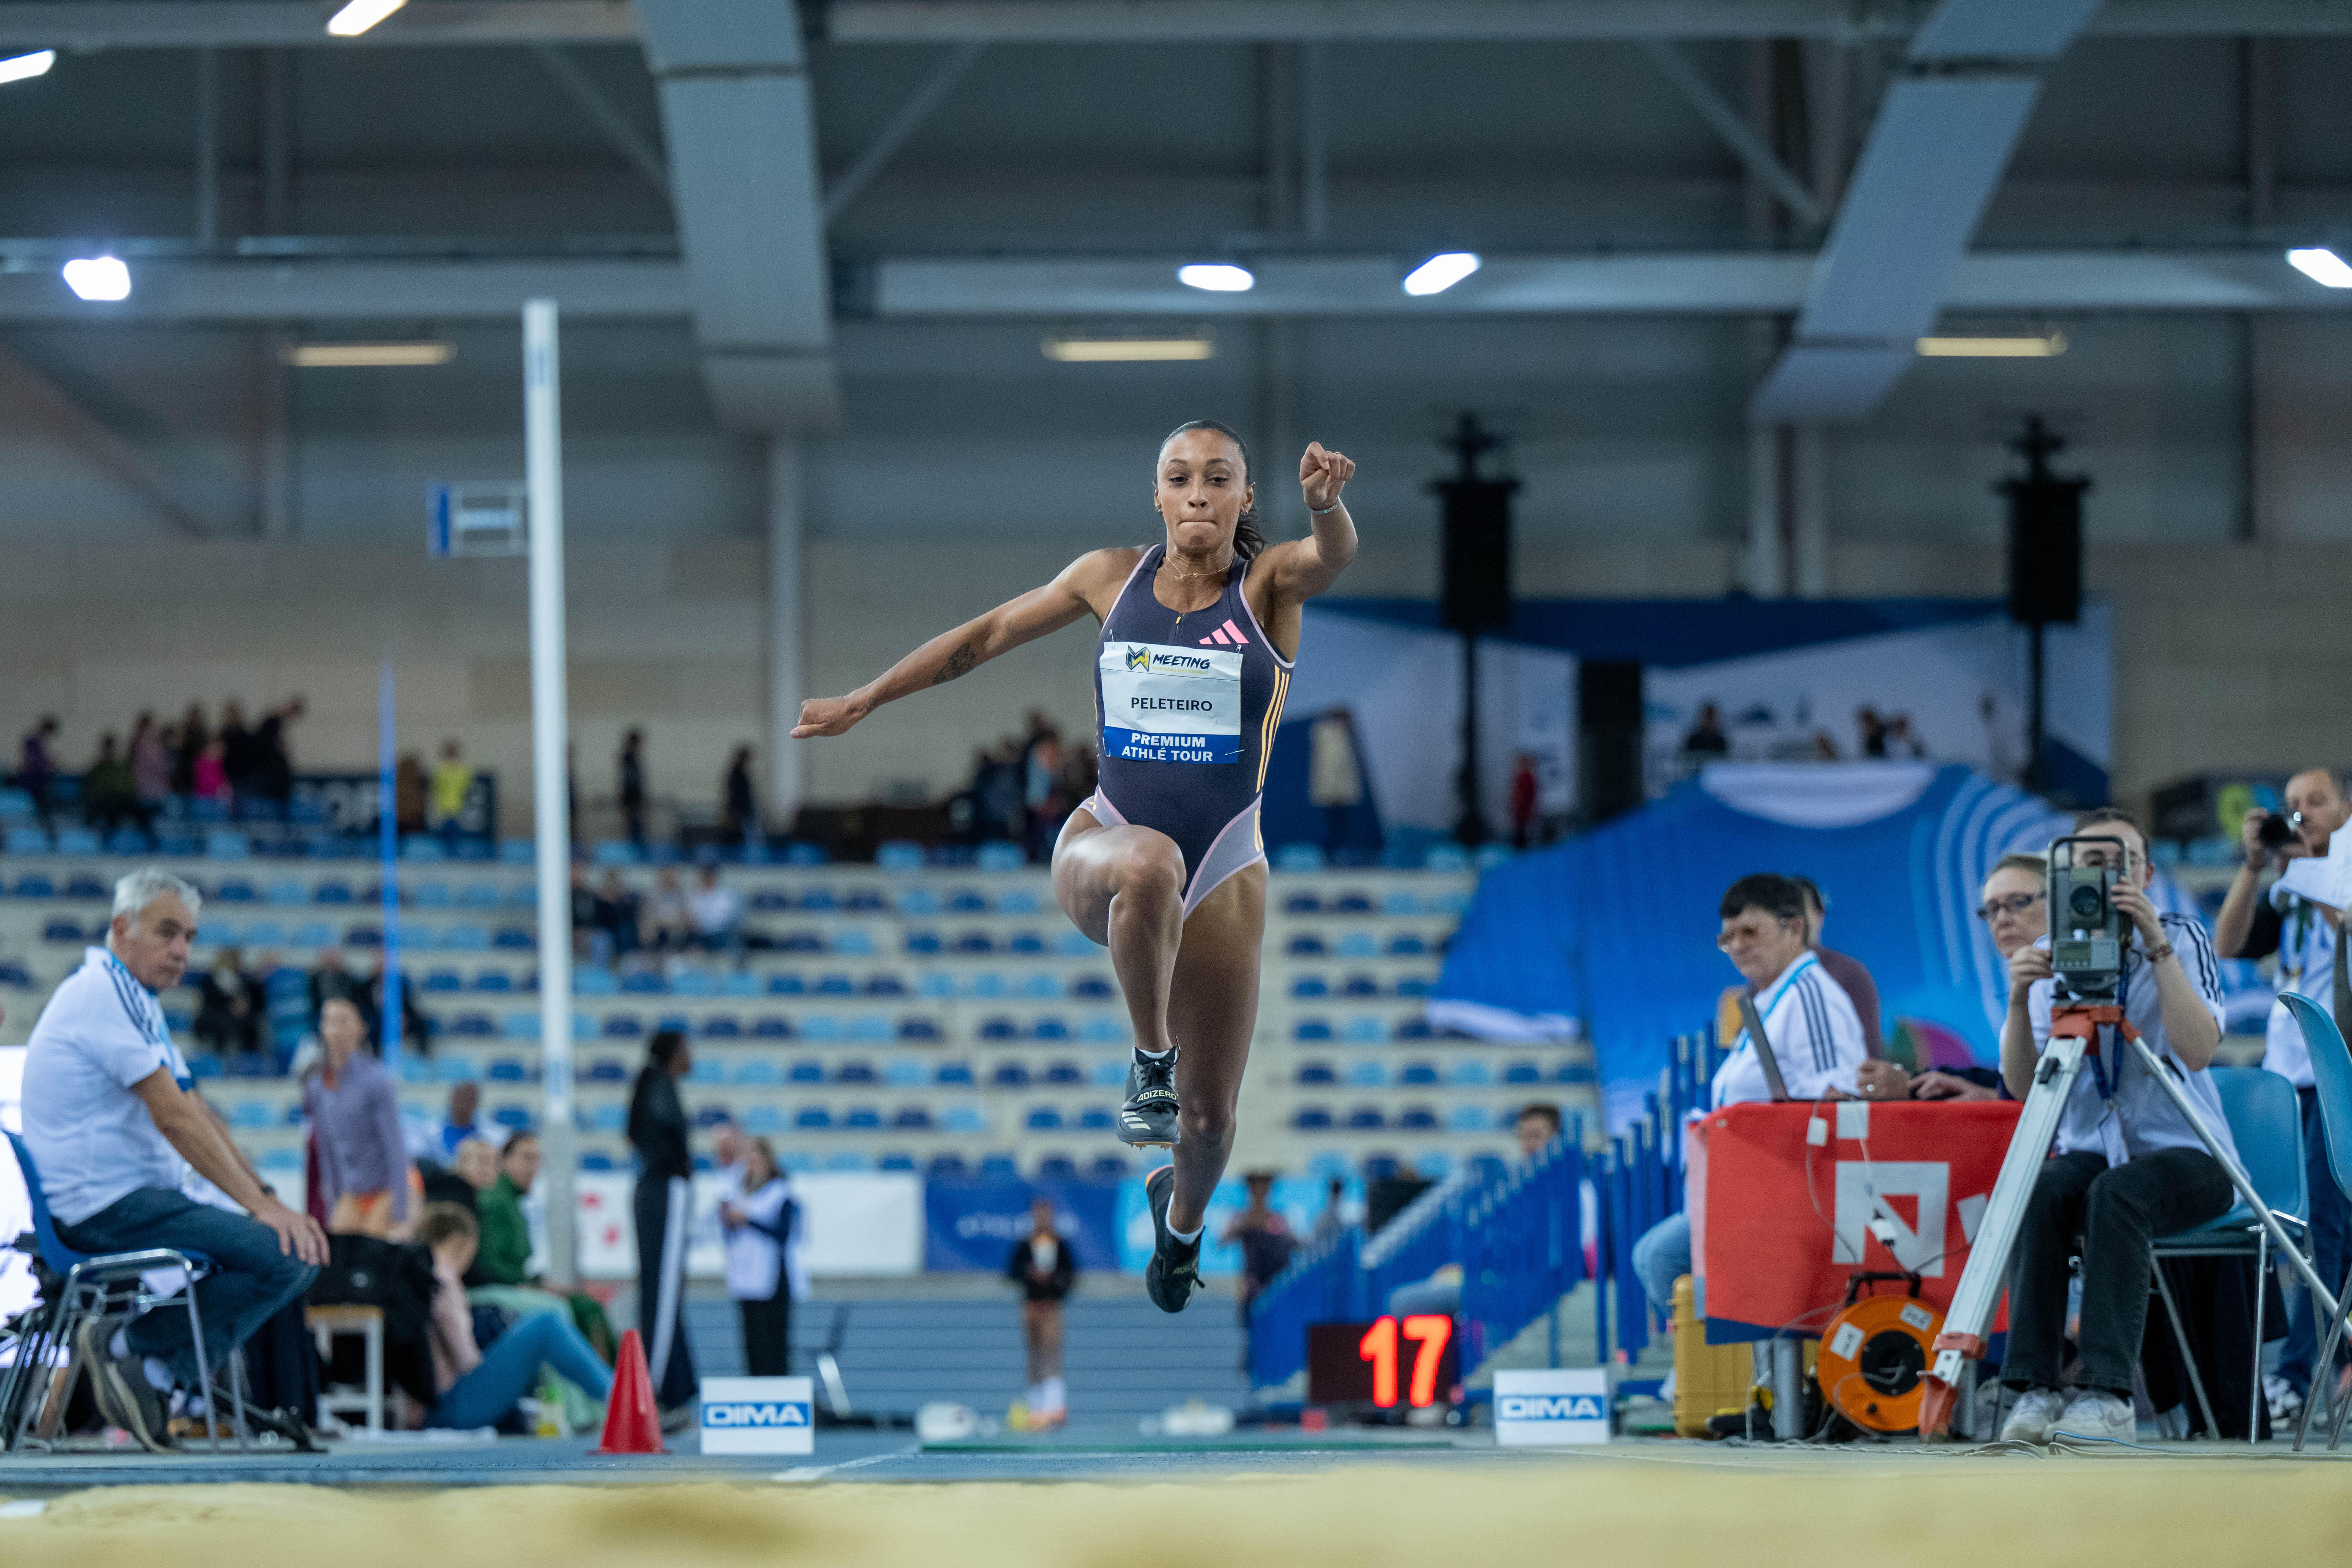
(2087, 939)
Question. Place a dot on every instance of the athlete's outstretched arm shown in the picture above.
(1083, 588)
(1302, 568)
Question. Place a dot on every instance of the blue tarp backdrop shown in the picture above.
(975, 1224)
(1613, 933)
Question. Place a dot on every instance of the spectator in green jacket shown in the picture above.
(504, 1256)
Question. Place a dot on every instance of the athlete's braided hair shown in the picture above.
(1249, 538)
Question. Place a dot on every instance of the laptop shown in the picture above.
(1756, 1036)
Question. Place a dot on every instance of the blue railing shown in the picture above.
(1639, 1181)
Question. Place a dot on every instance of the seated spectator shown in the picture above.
(672, 921)
(2129, 1166)
(273, 761)
(37, 771)
(1705, 738)
(470, 1171)
(112, 1127)
(229, 1017)
(210, 782)
(412, 792)
(465, 1104)
(1811, 1028)
(616, 914)
(354, 1113)
(453, 780)
(717, 913)
(2015, 908)
(110, 794)
(478, 1388)
(415, 1025)
(1537, 1129)
(501, 1276)
(151, 765)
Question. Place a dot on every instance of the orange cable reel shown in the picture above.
(1873, 1362)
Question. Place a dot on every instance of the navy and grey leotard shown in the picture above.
(1188, 704)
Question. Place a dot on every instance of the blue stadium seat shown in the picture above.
(1406, 946)
(946, 1168)
(312, 933)
(862, 1119)
(835, 986)
(596, 1160)
(1309, 986)
(1009, 1075)
(1469, 1119)
(1472, 1074)
(444, 980)
(936, 984)
(1027, 943)
(896, 1161)
(1301, 904)
(821, 1027)
(1361, 1031)
(912, 1118)
(472, 1026)
(1418, 1073)
(1311, 1029)
(767, 901)
(1415, 1029)
(800, 942)
(62, 930)
(870, 1030)
(856, 1072)
(722, 1026)
(204, 1065)
(514, 938)
(1366, 1118)
(1057, 1168)
(605, 1069)
(954, 1072)
(1064, 1073)
(1102, 1030)
(513, 1117)
(1298, 857)
(812, 1118)
(1417, 1119)
(707, 1070)
(1308, 947)
(866, 901)
(1525, 1072)
(1097, 1119)
(999, 1168)
(986, 982)
(14, 973)
(1412, 985)
(520, 1026)
(1360, 985)
(1107, 1168)
(1400, 903)
(807, 1072)
(1018, 901)
(1074, 943)
(1111, 1072)
(922, 942)
(1040, 984)
(904, 1072)
(787, 985)
(1367, 1074)
(362, 936)
(966, 1119)
(235, 890)
(429, 896)
(965, 901)
(771, 1026)
(885, 985)
(975, 942)
(262, 933)
(455, 1070)
(34, 885)
(819, 899)
(624, 1026)
(1356, 944)
(1576, 1072)
(912, 1029)
(494, 980)
(999, 1028)
(1316, 1072)
(1051, 1028)
(509, 1069)
(693, 983)
(1311, 1119)
(1380, 1167)
(645, 983)
(82, 885)
(758, 1072)
(607, 1118)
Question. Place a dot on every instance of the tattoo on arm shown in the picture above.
(959, 663)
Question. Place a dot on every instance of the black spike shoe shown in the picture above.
(1174, 1272)
(1147, 1118)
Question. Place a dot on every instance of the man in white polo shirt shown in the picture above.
(2129, 1166)
(1814, 1033)
(110, 1117)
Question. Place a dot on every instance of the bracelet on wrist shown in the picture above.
(2159, 953)
(1324, 510)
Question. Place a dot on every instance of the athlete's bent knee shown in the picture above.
(1153, 872)
(1208, 1126)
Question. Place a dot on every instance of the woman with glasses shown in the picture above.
(2014, 905)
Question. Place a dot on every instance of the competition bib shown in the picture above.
(1163, 704)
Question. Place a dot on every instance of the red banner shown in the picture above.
(1779, 1222)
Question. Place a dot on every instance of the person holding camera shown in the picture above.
(2303, 932)
(2014, 904)
(2129, 1166)
(1813, 1032)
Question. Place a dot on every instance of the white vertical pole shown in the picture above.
(544, 471)
(1809, 487)
(1765, 574)
(787, 627)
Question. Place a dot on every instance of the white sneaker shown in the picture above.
(2036, 1410)
(2095, 1414)
(2283, 1399)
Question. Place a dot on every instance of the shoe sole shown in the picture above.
(112, 1389)
(1138, 1132)
(1153, 1272)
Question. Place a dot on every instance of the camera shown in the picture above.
(2277, 832)
(2087, 930)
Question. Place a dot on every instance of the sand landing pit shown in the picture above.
(1981, 1513)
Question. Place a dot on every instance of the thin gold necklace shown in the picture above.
(1171, 570)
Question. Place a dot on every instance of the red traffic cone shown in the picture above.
(632, 1425)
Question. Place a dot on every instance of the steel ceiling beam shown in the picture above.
(188, 23)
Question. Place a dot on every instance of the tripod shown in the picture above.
(2074, 1035)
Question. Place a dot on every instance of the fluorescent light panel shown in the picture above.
(2321, 265)
(2047, 345)
(357, 356)
(16, 68)
(359, 16)
(1217, 278)
(1441, 272)
(98, 278)
(1117, 351)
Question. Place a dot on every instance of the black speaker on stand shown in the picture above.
(1608, 737)
(2045, 567)
(1474, 587)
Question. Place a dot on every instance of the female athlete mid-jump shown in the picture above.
(1163, 863)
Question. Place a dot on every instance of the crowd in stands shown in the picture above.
(131, 782)
(1023, 788)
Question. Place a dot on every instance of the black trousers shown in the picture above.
(768, 1334)
(2112, 1214)
(662, 1208)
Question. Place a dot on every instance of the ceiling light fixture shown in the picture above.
(359, 16)
(360, 356)
(16, 68)
(1121, 350)
(1441, 272)
(1217, 278)
(2047, 345)
(2321, 265)
(98, 277)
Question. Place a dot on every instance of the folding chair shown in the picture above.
(81, 1295)
(2331, 1070)
(2265, 1123)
